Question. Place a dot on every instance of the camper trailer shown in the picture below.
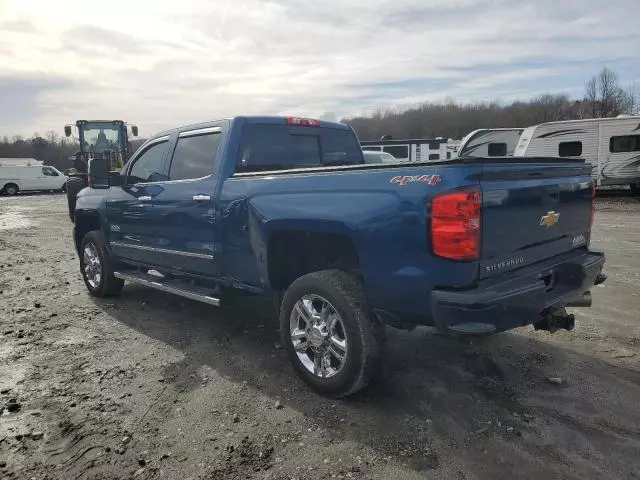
(490, 142)
(414, 150)
(610, 145)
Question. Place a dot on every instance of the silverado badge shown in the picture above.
(550, 219)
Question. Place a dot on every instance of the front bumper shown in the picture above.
(519, 298)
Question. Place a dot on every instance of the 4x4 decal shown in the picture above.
(403, 180)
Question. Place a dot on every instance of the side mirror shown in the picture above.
(67, 130)
(98, 173)
(134, 130)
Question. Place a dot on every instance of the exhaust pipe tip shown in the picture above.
(585, 301)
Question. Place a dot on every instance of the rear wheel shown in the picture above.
(11, 189)
(97, 267)
(635, 188)
(74, 185)
(332, 338)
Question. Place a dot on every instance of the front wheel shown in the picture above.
(333, 340)
(97, 267)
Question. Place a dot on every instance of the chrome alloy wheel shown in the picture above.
(318, 336)
(92, 265)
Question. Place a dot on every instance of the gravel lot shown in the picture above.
(150, 385)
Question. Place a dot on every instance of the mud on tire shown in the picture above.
(363, 332)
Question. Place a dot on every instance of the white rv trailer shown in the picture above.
(610, 145)
(490, 142)
(411, 150)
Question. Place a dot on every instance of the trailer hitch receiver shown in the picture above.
(555, 319)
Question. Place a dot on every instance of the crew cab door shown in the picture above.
(131, 228)
(185, 204)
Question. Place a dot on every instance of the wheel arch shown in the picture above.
(296, 250)
(9, 184)
(85, 221)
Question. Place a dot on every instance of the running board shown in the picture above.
(176, 287)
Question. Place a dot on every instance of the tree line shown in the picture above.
(51, 148)
(603, 97)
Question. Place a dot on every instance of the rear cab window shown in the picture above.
(268, 147)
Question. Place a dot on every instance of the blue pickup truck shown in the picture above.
(287, 208)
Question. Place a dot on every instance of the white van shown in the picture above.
(22, 178)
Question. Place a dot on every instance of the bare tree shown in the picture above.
(591, 95)
(633, 100)
(609, 92)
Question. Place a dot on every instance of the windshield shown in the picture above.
(98, 138)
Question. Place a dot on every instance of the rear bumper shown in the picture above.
(517, 299)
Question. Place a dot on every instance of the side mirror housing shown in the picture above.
(98, 173)
(134, 130)
(67, 130)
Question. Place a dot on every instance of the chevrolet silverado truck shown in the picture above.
(287, 208)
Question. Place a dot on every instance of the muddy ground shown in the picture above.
(150, 385)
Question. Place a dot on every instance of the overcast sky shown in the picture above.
(165, 63)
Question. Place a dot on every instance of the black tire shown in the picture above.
(635, 188)
(363, 331)
(74, 185)
(108, 285)
(10, 189)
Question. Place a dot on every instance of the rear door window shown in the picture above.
(280, 147)
(194, 156)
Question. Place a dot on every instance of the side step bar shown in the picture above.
(183, 289)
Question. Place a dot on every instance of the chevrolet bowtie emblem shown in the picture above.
(550, 219)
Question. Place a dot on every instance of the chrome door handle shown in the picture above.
(145, 198)
(201, 198)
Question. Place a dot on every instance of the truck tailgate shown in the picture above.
(531, 212)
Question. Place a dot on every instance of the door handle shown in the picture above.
(144, 198)
(201, 198)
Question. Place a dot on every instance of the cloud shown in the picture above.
(195, 60)
(24, 98)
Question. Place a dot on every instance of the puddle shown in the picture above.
(15, 218)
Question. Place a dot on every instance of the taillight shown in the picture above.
(593, 205)
(308, 122)
(455, 225)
